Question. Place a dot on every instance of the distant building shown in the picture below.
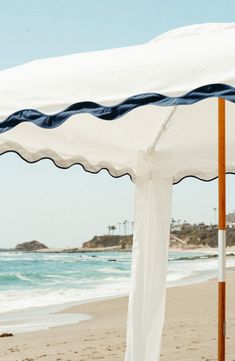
(176, 227)
(186, 226)
(230, 219)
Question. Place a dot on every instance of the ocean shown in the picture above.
(35, 285)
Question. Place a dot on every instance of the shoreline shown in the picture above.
(44, 314)
(190, 330)
(41, 318)
(71, 250)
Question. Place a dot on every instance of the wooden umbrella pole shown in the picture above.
(221, 230)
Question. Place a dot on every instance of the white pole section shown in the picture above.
(222, 255)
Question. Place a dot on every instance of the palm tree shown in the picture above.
(113, 228)
(109, 229)
(132, 226)
(119, 228)
(124, 227)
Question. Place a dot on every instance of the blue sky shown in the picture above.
(67, 207)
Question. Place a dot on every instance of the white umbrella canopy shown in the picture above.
(149, 111)
(178, 68)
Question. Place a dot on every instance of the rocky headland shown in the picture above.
(109, 241)
(30, 246)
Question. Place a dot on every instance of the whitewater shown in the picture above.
(30, 280)
(35, 288)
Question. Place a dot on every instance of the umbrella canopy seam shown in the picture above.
(165, 122)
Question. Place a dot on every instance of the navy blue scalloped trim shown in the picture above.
(67, 167)
(116, 111)
(200, 179)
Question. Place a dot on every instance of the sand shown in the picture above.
(190, 331)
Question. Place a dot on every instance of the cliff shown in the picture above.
(120, 242)
(188, 237)
(124, 242)
(194, 236)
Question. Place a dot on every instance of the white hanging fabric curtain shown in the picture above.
(149, 111)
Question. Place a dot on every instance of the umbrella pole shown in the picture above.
(221, 230)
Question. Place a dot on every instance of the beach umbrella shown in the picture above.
(148, 111)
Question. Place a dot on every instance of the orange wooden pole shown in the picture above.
(221, 230)
(221, 165)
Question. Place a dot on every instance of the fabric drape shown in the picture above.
(150, 254)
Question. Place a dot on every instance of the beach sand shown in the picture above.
(190, 331)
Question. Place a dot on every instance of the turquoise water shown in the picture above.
(35, 280)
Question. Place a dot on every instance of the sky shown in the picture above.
(67, 207)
